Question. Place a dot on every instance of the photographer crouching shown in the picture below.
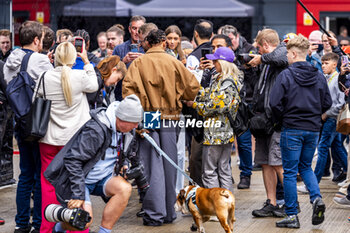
(86, 166)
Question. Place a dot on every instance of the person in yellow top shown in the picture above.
(214, 103)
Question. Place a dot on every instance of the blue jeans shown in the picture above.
(28, 182)
(329, 136)
(244, 143)
(298, 148)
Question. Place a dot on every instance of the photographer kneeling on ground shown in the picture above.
(85, 165)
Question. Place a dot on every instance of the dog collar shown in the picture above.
(192, 196)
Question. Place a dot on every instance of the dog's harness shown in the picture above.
(192, 195)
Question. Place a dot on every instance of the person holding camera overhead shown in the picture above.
(87, 163)
(67, 89)
(244, 142)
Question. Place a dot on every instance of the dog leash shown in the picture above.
(162, 153)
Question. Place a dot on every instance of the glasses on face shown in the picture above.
(325, 41)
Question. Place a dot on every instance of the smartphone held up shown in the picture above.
(79, 44)
(205, 51)
(345, 60)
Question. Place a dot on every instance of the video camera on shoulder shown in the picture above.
(77, 218)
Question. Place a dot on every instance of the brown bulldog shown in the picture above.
(203, 203)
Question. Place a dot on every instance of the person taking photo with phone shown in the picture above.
(66, 88)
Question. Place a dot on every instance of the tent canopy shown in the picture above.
(194, 8)
(161, 8)
(99, 8)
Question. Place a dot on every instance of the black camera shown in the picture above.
(136, 171)
(77, 218)
(244, 58)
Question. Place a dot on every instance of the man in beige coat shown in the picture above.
(161, 82)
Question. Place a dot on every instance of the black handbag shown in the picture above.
(260, 125)
(241, 124)
(37, 119)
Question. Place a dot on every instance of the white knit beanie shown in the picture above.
(130, 109)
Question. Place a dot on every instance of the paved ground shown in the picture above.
(246, 200)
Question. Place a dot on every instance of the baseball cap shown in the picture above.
(222, 53)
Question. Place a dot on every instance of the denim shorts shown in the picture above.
(96, 189)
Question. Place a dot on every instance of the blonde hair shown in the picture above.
(228, 68)
(300, 43)
(269, 36)
(65, 56)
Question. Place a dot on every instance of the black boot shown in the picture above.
(244, 183)
(319, 208)
(269, 210)
(141, 213)
(291, 221)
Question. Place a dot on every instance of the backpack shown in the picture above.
(20, 90)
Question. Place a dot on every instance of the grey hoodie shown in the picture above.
(338, 99)
(38, 63)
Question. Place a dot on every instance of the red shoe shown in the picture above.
(2, 221)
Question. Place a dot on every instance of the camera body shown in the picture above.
(77, 218)
(244, 58)
(136, 171)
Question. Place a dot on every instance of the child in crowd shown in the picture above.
(329, 134)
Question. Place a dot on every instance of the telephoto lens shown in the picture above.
(77, 218)
(56, 213)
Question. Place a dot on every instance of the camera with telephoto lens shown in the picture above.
(244, 58)
(136, 171)
(77, 218)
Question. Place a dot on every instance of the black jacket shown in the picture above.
(251, 74)
(273, 63)
(95, 99)
(4, 57)
(299, 97)
(68, 169)
(3, 84)
(187, 111)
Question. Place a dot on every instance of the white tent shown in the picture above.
(99, 8)
(194, 8)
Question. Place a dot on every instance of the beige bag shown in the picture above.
(343, 121)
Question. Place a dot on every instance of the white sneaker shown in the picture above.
(343, 201)
(213, 219)
(302, 189)
(341, 184)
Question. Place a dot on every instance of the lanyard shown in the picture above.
(331, 78)
(119, 144)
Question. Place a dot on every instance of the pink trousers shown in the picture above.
(48, 195)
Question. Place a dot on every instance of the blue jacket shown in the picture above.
(299, 97)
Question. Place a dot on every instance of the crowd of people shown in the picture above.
(282, 94)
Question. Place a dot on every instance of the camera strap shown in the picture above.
(119, 143)
(162, 153)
